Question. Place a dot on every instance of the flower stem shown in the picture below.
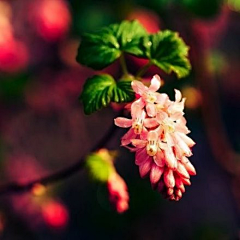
(123, 65)
(143, 70)
(17, 187)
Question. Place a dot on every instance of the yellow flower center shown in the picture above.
(152, 148)
(137, 126)
(158, 107)
(150, 97)
(169, 126)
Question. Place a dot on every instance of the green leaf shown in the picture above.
(100, 90)
(100, 49)
(97, 92)
(129, 36)
(98, 168)
(168, 51)
(123, 92)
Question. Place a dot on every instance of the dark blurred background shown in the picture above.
(43, 128)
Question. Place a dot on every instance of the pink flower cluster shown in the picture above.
(158, 136)
(118, 194)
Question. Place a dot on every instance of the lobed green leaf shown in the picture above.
(100, 90)
(123, 92)
(168, 51)
(100, 49)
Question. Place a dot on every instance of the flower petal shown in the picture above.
(176, 115)
(171, 161)
(123, 122)
(127, 137)
(138, 87)
(179, 184)
(145, 167)
(182, 145)
(132, 149)
(162, 98)
(152, 136)
(169, 139)
(150, 122)
(186, 181)
(182, 129)
(186, 139)
(159, 158)
(189, 167)
(156, 173)
(139, 143)
(141, 156)
(178, 95)
(161, 115)
(178, 193)
(169, 178)
(144, 133)
(151, 110)
(137, 109)
(176, 107)
(181, 170)
(155, 83)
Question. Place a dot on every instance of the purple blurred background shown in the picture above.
(43, 128)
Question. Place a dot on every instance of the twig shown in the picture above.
(143, 70)
(15, 187)
(123, 65)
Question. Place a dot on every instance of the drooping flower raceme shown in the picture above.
(158, 136)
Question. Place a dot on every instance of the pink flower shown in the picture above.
(118, 194)
(150, 147)
(178, 105)
(148, 96)
(158, 136)
(138, 124)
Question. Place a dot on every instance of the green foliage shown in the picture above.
(129, 35)
(123, 92)
(234, 4)
(164, 49)
(168, 51)
(100, 90)
(98, 168)
(97, 92)
(100, 49)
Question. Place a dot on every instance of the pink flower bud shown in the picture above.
(170, 191)
(171, 161)
(189, 167)
(156, 173)
(169, 178)
(186, 181)
(118, 194)
(181, 170)
(145, 168)
(178, 193)
(179, 184)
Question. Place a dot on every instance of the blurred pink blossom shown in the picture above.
(118, 194)
(51, 18)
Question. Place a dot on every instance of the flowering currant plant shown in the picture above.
(157, 131)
